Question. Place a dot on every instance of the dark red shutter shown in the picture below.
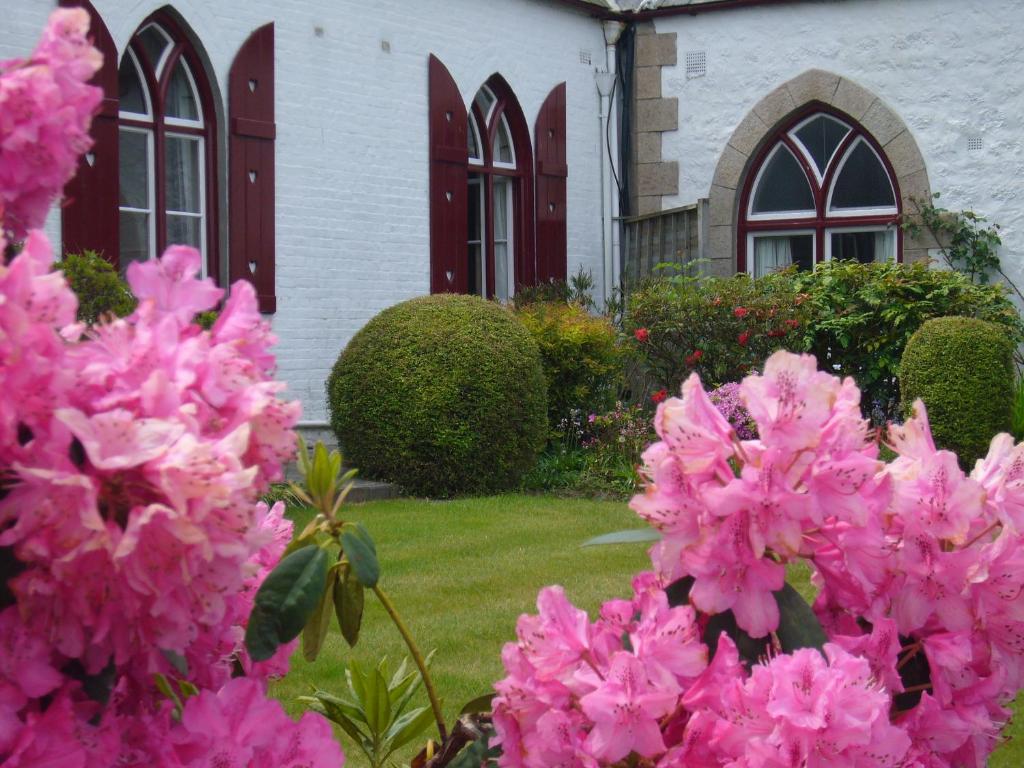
(251, 171)
(449, 156)
(552, 172)
(89, 216)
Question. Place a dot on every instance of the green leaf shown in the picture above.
(478, 705)
(406, 728)
(315, 631)
(337, 714)
(375, 701)
(635, 536)
(348, 604)
(285, 601)
(362, 553)
(798, 626)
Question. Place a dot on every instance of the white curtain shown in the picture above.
(771, 254)
(884, 241)
(502, 289)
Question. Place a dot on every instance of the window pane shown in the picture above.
(184, 230)
(862, 182)
(183, 189)
(485, 100)
(181, 99)
(864, 247)
(503, 145)
(154, 43)
(502, 200)
(134, 238)
(821, 136)
(476, 269)
(783, 186)
(474, 144)
(775, 252)
(132, 98)
(134, 169)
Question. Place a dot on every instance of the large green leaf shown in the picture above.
(478, 705)
(798, 626)
(406, 728)
(348, 603)
(315, 631)
(362, 553)
(285, 601)
(635, 536)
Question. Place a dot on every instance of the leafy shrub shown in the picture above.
(1017, 411)
(720, 327)
(99, 288)
(205, 320)
(862, 316)
(442, 395)
(962, 368)
(580, 355)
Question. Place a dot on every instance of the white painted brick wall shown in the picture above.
(352, 162)
(951, 69)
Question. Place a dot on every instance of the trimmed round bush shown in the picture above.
(962, 368)
(442, 395)
(99, 288)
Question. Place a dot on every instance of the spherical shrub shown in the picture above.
(580, 356)
(962, 368)
(441, 395)
(96, 283)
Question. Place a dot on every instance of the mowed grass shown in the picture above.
(461, 572)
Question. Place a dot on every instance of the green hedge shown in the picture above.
(962, 368)
(99, 288)
(580, 355)
(442, 395)
(855, 318)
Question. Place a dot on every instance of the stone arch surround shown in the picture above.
(814, 85)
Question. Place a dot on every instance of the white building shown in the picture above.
(345, 156)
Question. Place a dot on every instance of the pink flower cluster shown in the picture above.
(920, 571)
(46, 107)
(132, 541)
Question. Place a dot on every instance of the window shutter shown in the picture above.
(89, 215)
(251, 166)
(552, 172)
(449, 155)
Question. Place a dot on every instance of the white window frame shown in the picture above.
(852, 212)
(829, 231)
(809, 213)
(509, 236)
(182, 122)
(479, 160)
(158, 67)
(751, 236)
(150, 185)
(146, 116)
(503, 124)
(819, 175)
(202, 191)
(478, 181)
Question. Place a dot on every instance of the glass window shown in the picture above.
(820, 137)
(172, 129)
(503, 145)
(182, 101)
(502, 239)
(475, 230)
(485, 100)
(819, 190)
(775, 252)
(862, 181)
(864, 246)
(783, 186)
(473, 139)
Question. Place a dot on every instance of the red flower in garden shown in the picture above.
(741, 311)
(743, 338)
(694, 358)
(793, 323)
(717, 301)
(641, 334)
(659, 396)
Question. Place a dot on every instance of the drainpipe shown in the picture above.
(609, 155)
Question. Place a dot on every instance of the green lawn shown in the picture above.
(461, 572)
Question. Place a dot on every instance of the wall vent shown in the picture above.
(584, 57)
(696, 64)
(974, 144)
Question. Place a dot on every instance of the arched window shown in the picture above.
(166, 125)
(820, 189)
(500, 169)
